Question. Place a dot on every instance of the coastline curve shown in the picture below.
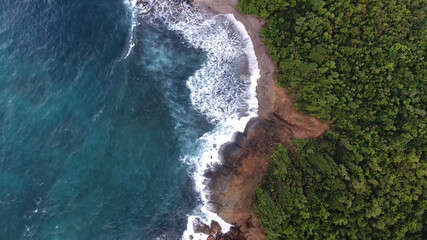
(223, 90)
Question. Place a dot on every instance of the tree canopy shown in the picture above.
(361, 65)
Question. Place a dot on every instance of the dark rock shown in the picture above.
(200, 227)
(234, 231)
(208, 173)
(224, 170)
(215, 227)
(249, 224)
(253, 124)
(208, 182)
(233, 234)
(239, 139)
(218, 169)
(210, 237)
(216, 197)
(213, 206)
(228, 152)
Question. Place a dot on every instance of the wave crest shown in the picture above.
(223, 89)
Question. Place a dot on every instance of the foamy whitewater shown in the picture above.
(226, 97)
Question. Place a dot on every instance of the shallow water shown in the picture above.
(96, 135)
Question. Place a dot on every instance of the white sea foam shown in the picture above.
(131, 4)
(223, 90)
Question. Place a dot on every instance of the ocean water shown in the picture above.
(109, 113)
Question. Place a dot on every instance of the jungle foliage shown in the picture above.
(361, 65)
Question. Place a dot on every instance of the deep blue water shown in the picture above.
(90, 143)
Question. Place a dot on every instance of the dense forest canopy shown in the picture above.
(361, 65)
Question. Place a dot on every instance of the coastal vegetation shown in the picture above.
(360, 65)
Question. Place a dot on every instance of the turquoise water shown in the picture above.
(91, 141)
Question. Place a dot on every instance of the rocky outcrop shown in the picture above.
(200, 227)
(214, 232)
(215, 227)
(244, 161)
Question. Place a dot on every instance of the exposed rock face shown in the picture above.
(200, 227)
(244, 162)
(243, 166)
(214, 232)
(215, 227)
(233, 234)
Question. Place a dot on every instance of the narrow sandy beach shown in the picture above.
(253, 26)
(273, 101)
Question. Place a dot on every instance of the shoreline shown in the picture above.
(253, 27)
(244, 159)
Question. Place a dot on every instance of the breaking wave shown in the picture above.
(222, 90)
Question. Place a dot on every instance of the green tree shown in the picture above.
(361, 65)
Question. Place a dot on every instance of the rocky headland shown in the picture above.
(244, 160)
